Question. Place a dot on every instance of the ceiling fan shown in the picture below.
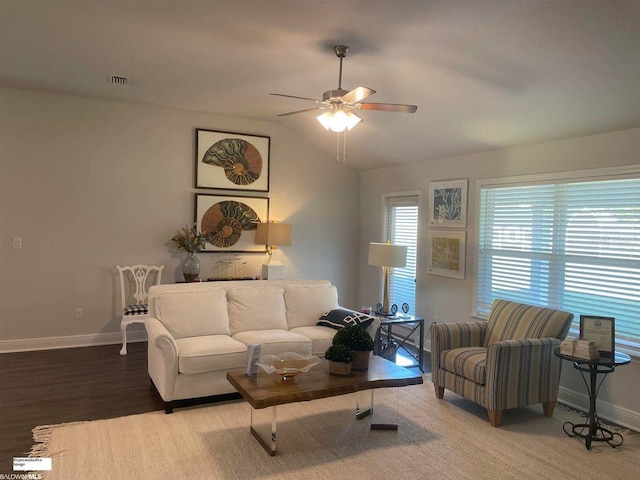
(340, 104)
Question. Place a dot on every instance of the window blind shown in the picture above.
(572, 245)
(403, 230)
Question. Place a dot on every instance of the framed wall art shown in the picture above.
(448, 203)
(447, 251)
(232, 161)
(601, 331)
(231, 221)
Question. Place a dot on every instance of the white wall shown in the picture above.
(451, 300)
(89, 184)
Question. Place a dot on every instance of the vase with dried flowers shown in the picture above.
(191, 241)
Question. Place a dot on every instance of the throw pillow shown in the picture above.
(342, 317)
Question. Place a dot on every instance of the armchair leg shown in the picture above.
(548, 407)
(495, 417)
(168, 407)
(439, 391)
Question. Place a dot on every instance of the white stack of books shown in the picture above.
(579, 348)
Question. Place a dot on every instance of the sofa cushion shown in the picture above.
(210, 353)
(467, 362)
(194, 313)
(516, 321)
(343, 317)
(276, 341)
(305, 303)
(256, 309)
(320, 337)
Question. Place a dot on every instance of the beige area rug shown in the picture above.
(437, 439)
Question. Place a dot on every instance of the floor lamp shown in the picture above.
(387, 256)
(273, 234)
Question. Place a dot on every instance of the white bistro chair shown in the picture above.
(135, 281)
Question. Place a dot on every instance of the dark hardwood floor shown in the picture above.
(77, 384)
(68, 385)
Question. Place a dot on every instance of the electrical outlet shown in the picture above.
(17, 242)
(79, 313)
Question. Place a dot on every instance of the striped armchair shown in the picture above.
(507, 362)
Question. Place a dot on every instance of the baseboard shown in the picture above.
(606, 411)
(51, 343)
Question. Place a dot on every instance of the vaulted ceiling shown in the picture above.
(485, 74)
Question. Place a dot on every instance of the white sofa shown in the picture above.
(199, 331)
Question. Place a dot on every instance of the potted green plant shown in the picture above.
(357, 339)
(340, 358)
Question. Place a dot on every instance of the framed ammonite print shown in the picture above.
(232, 161)
(229, 222)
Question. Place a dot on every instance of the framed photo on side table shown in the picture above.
(601, 331)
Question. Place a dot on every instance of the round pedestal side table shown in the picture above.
(595, 432)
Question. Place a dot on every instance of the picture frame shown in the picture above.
(234, 220)
(232, 161)
(601, 331)
(447, 253)
(448, 203)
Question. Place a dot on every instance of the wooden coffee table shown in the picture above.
(263, 390)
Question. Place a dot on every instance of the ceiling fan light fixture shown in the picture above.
(325, 119)
(340, 105)
(339, 120)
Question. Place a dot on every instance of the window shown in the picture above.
(402, 229)
(572, 244)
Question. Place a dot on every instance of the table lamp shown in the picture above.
(273, 234)
(387, 256)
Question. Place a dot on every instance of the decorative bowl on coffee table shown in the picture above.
(287, 365)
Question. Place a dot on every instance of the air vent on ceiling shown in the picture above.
(119, 80)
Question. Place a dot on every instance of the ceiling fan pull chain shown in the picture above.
(344, 148)
(342, 135)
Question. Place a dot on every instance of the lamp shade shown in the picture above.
(387, 255)
(273, 234)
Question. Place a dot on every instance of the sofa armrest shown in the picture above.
(522, 372)
(162, 358)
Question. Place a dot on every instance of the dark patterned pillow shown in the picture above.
(140, 309)
(343, 317)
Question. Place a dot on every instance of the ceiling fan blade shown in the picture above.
(293, 96)
(388, 107)
(357, 94)
(301, 111)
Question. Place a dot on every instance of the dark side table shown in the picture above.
(595, 432)
(414, 323)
